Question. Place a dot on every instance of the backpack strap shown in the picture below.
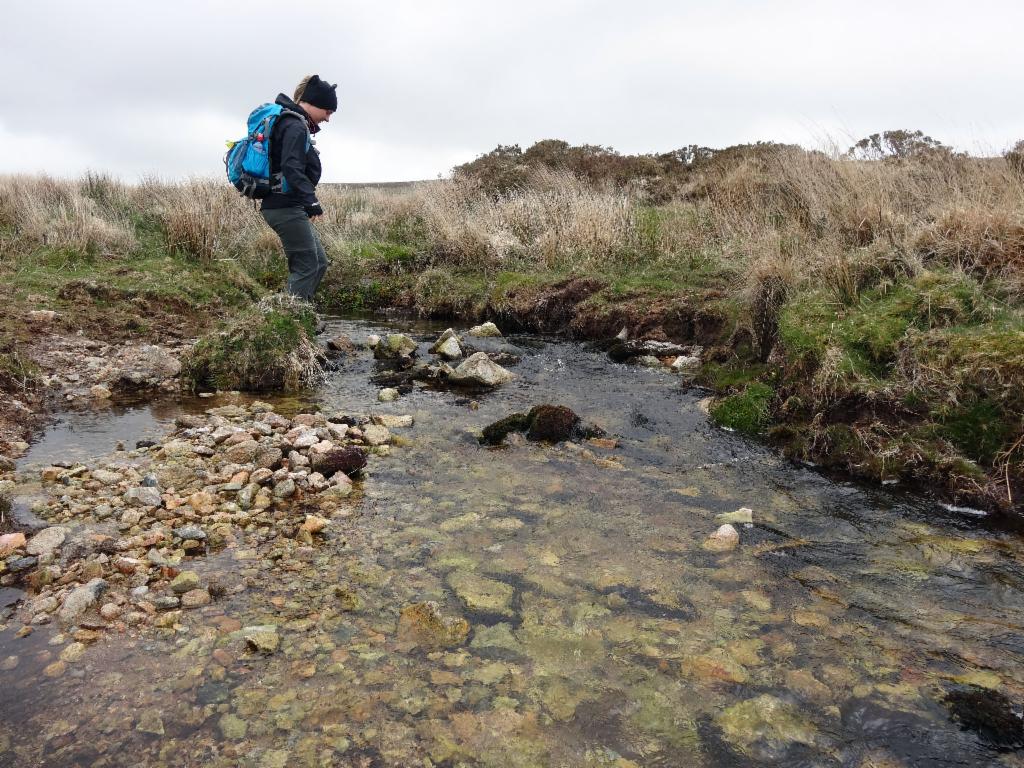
(277, 178)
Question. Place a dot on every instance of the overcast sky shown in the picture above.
(143, 88)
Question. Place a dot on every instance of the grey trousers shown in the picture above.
(307, 261)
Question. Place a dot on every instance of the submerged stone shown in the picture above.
(184, 582)
(425, 625)
(233, 727)
(348, 598)
(715, 666)
(348, 460)
(150, 722)
(262, 638)
(479, 593)
(988, 713)
(498, 636)
(765, 718)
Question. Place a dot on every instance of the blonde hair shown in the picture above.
(300, 89)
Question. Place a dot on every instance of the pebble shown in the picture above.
(285, 489)
(190, 533)
(184, 582)
(19, 564)
(144, 496)
(46, 541)
(262, 638)
(10, 542)
(314, 523)
(195, 598)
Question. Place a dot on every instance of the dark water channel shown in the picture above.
(834, 635)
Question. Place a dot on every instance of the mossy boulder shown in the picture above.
(394, 347)
(268, 348)
(495, 433)
(544, 423)
(551, 423)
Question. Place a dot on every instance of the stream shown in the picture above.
(853, 626)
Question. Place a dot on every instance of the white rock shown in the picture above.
(305, 440)
(387, 395)
(480, 369)
(447, 346)
(726, 538)
(376, 435)
(686, 364)
(337, 431)
(742, 516)
(392, 421)
(485, 330)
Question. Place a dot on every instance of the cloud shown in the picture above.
(142, 88)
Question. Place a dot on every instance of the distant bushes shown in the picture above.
(657, 177)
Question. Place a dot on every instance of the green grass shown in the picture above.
(981, 430)
(748, 412)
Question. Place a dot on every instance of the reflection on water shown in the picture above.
(602, 634)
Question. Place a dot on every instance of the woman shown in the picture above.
(294, 159)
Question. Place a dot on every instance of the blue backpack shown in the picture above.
(248, 160)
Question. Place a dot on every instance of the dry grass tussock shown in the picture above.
(842, 222)
(88, 217)
(201, 218)
(559, 220)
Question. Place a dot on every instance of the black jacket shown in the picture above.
(288, 155)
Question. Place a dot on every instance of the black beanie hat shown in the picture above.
(321, 94)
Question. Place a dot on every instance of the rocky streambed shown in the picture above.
(242, 590)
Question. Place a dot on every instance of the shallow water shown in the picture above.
(830, 637)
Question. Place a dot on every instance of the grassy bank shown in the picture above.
(862, 314)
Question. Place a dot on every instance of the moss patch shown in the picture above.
(748, 412)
